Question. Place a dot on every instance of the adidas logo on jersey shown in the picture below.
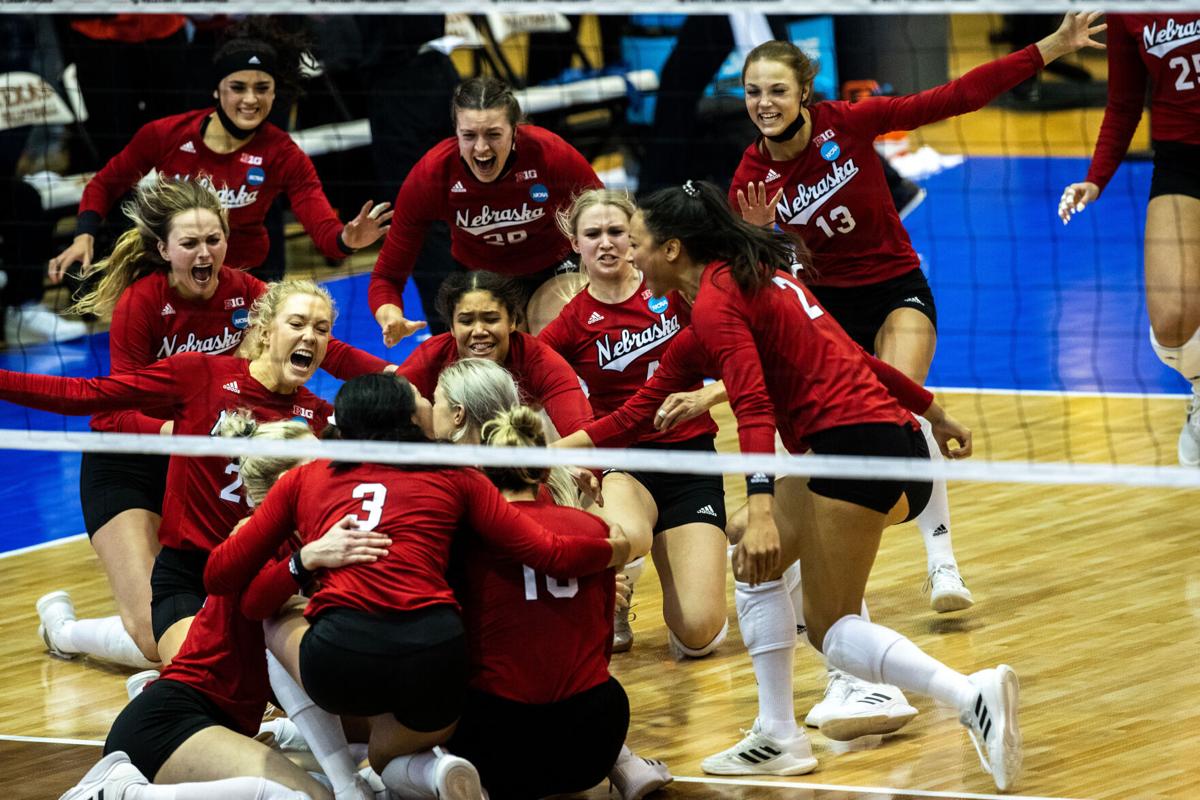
(232, 387)
(772, 175)
(708, 511)
(595, 317)
(168, 309)
(914, 299)
(188, 147)
(458, 187)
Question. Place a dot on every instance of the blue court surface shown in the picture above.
(1024, 303)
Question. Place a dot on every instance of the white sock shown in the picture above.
(633, 570)
(321, 730)
(104, 638)
(881, 655)
(227, 789)
(768, 624)
(412, 775)
(795, 586)
(934, 521)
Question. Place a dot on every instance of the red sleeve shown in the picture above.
(131, 347)
(160, 384)
(345, 361)
(971, 92)
(912, 395)
(557, 335)
(270, 589)
(416, 207)
(235, 562)
(309, 204)
(424, 364)
(725, 335)
(522, 539)
(555, 385)
(1126, 98)
(679, 369)
(119, 175)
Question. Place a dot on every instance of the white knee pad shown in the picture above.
(766, 616)
(856, 646)
(687, 652)
(1184, 359)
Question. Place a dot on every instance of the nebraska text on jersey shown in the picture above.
(489, 219)
(1160, 41)
(810, 198)
(221, 343)
(617, 356)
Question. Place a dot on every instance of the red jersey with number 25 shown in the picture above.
(835, 196)
(616, 347)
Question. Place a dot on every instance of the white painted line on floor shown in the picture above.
(1057, 393)
(43, 545)
(49, 740)
(831, 787)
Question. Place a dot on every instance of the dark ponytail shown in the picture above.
(699, 217)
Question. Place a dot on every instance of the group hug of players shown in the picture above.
(453, 627)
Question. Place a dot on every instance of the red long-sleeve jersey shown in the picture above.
(786, 364)
(204, 494)
(835, 195)
(616, 347)
(535, 638)
(421, 510)
(1163, 49)
(247, 180)
(505, 226)
(151, 321)
(542, 376)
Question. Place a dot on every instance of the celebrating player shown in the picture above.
(1163, 50)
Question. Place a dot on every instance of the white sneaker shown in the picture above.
(991, 722)
(947, 591)
(54, 609)
(853, 708)
(760, 754)
(282, 734)
(1189, 435)
(635, 777)
(135, 683)
(34, 324)
(108, 780)
(455, 778)
(622, 631)
(374, 784)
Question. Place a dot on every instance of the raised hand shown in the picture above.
(367, 228)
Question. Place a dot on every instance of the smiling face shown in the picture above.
(246, 97)
(296, 339)
(773, 96)
(485, 141)
(194, 251)
(481, 326)
(658, 261)
(602, 241)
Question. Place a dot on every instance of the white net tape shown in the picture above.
(629, 460)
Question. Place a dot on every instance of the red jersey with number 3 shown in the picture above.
(616, 347)
(204, 496)
(535, 638)
(835, 195)
(152, 321)
(505, 226)
(422, 510)
(1164, 51)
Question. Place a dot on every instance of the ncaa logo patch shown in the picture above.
(539, 192)
(658, 304)
(255, 176)
(241, 318)
(830, 151)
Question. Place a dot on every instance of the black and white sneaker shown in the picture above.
(991, 722)
(107, 780)
(761, 754)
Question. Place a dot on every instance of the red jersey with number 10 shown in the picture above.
(505, 226)
(1163, 49)
(204, 497)
(616, 347)
(835, 196)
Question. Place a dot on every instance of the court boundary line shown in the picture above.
(42, 546)
(9, 737)
(833, 787)
(1060, 393)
